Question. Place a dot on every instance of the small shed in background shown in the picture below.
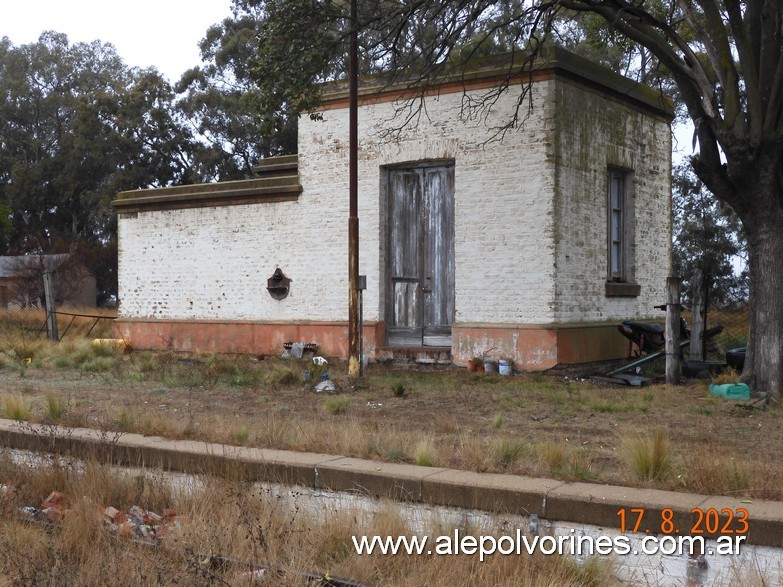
(21, 281)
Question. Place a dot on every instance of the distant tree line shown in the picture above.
(77, 125)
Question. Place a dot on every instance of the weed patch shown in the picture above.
(337, 405)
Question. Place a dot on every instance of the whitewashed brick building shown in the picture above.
(532, 245)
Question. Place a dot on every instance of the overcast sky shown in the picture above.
(163, 33)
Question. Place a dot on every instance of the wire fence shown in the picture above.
(734, 329)
(29, 323)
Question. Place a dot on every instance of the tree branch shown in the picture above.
(747, 56)
(713, 35)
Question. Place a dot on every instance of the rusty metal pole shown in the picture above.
(354, 363)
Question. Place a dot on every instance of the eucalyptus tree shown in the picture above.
(76, 126)
(707, 237)
(219, 98)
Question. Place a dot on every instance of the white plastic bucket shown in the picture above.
(504, 367)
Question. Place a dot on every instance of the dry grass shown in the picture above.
(16, 407)
(425, 452)
(529, 424)
(648, 456)
(728, 375)
(229, 518)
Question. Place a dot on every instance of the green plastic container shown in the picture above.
(730, 390)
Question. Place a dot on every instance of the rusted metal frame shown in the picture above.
(73, 317)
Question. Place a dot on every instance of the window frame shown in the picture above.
(617, 240)
(619, 234)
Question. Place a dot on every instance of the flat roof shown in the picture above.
(506, 68)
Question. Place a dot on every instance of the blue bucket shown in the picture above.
(504, 367)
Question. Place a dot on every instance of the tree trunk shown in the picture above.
(764, 360)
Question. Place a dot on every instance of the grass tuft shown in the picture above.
(16, 407)
(647, 456)
(55, 406)
(337, 405)
(398, 389)
(506, 451)
(425, 453)
(711, 472)
(242, 435)
(98, 364)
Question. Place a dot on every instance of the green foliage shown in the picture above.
(707, 237)
(425, 453)
(506, 451)
(219, 99)
(398, 389)
(242, 435)
(79, 126)
(98, 364)
(282, 376)
(303, 43)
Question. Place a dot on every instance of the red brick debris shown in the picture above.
(137, 523)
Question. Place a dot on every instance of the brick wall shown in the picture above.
(503, 211)
(595, 132)
(530, 214)
(213, 263)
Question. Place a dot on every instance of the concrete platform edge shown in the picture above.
(578, 503)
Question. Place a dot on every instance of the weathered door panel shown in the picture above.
(421, 256)
(438, 256)
(404, 320)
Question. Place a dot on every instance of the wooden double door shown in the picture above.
(420, 256)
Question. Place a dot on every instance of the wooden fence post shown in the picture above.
(51, 317)
(696, 347)
(672, 333)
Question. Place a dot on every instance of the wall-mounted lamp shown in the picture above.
(278, 284)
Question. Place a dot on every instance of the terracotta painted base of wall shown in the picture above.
(257, 338)
(539, 347)
(532, 347)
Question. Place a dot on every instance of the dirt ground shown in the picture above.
(525, 424)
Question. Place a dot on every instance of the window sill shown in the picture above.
(617, 289)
